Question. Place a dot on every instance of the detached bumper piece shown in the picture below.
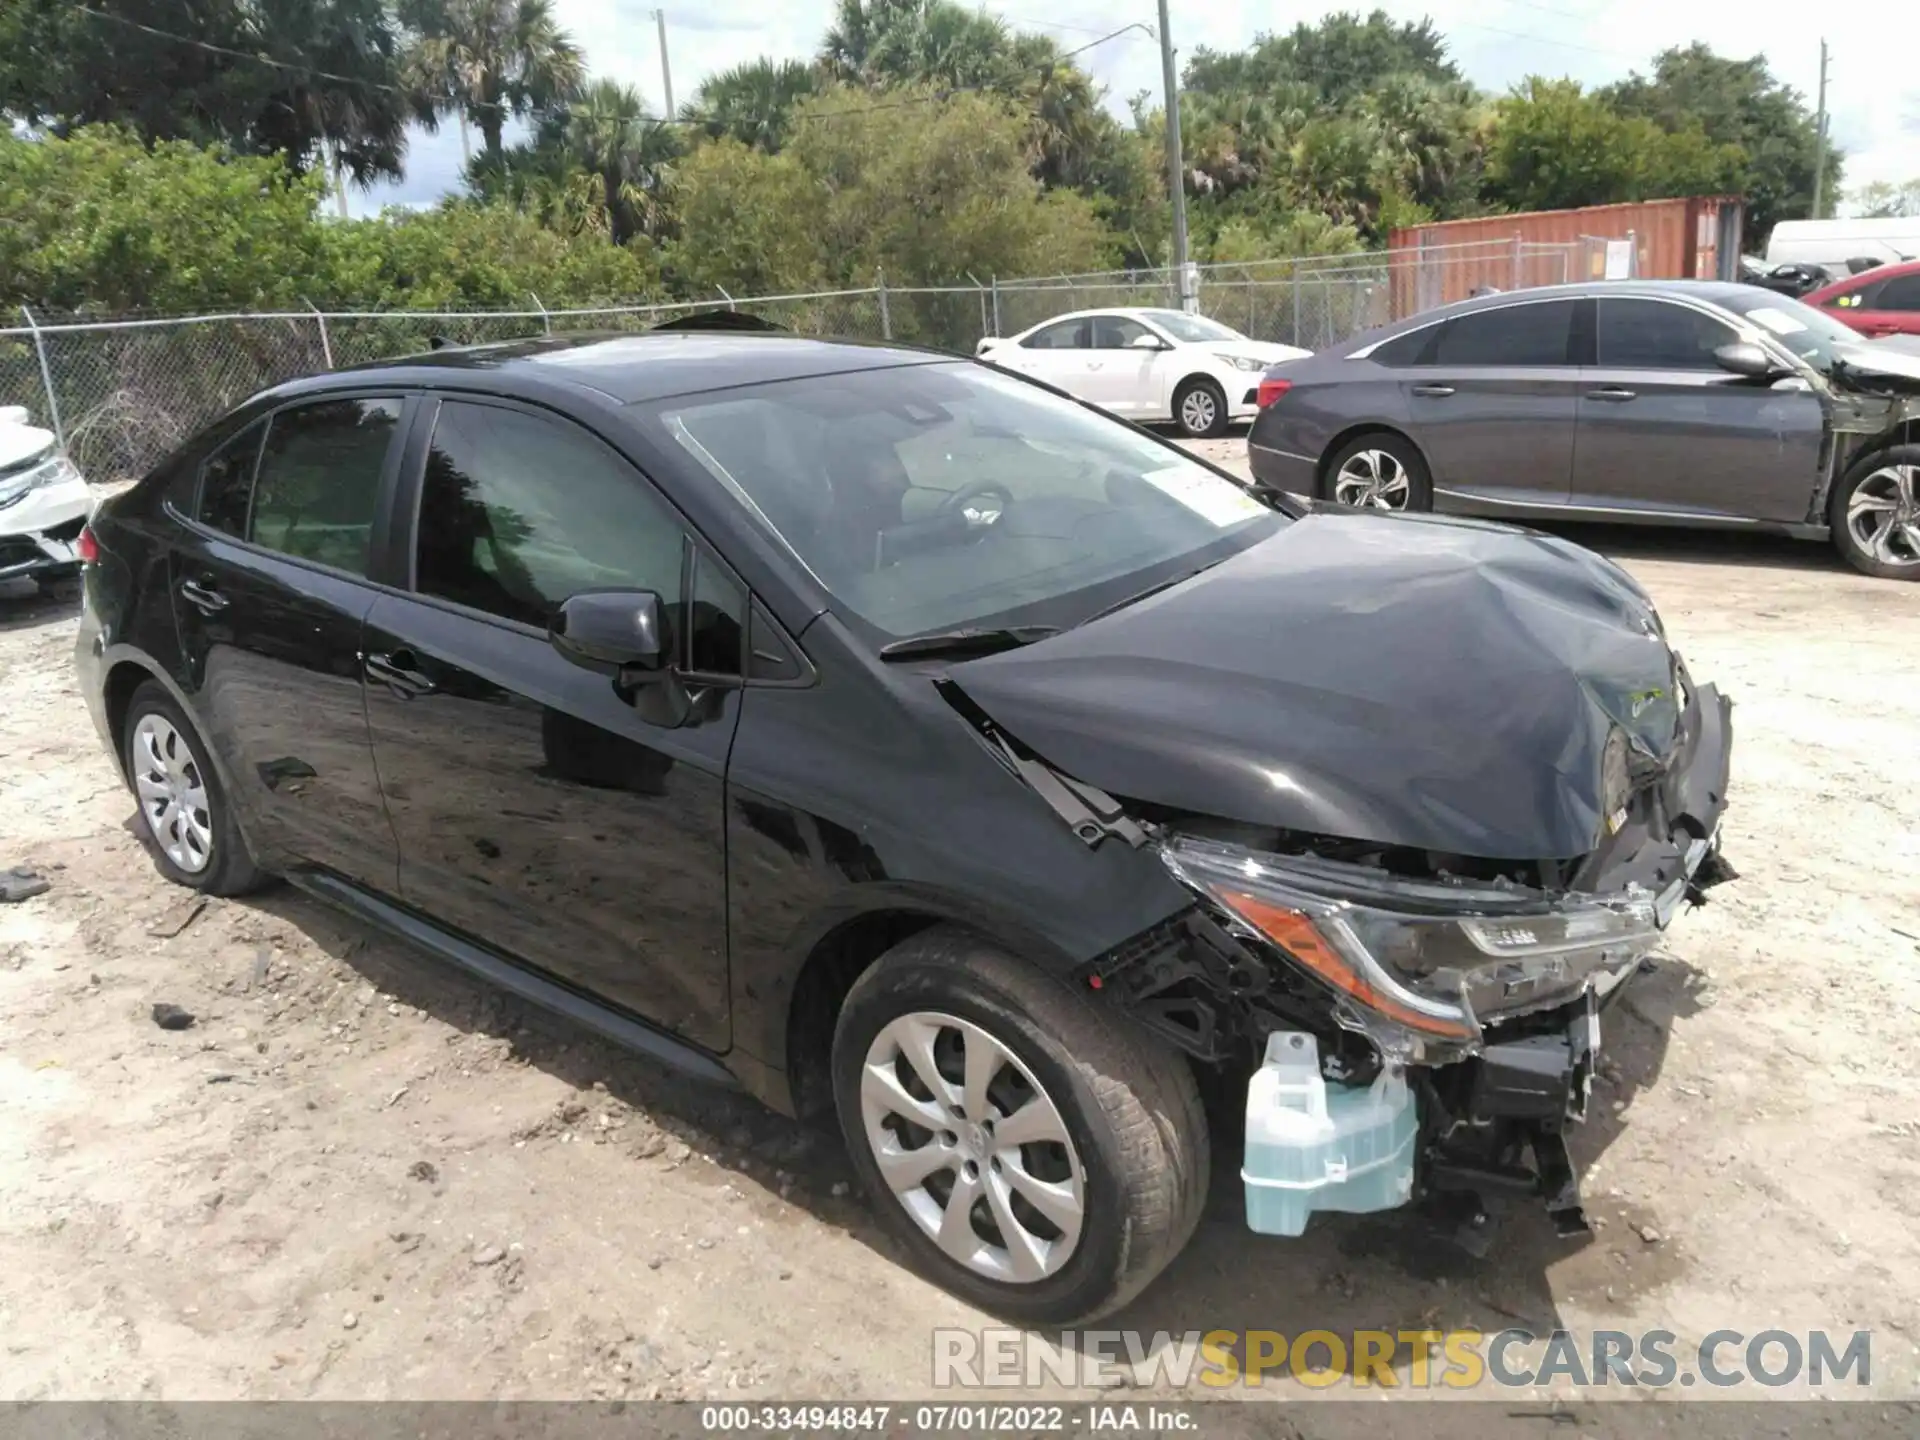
(1497, 1123)
(41, 552)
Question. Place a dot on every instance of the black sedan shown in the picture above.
(902, 741)
(1651, 402)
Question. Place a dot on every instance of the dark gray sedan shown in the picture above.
(1663, 402)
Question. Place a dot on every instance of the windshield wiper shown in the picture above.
(1140, 595)
(967, 640)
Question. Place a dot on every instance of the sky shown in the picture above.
(1873, 86)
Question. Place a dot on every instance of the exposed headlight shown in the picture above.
(1430, 957)
(1241, 362)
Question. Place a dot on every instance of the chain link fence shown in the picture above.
(123, 393)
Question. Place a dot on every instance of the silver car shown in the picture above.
(1663, 402)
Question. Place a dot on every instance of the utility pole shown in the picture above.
(666, 75)
(1176, 162)
(1820, 141)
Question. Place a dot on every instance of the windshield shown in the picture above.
(1192, 329)
(926, 497)
(1805, 331)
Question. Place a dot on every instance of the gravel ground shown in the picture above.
(357, 1176)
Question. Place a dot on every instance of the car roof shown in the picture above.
(1131, 312)
(628, 369)
(1867, 277)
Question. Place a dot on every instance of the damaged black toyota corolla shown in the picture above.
(899, 739)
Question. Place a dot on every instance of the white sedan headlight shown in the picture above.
(1241, 362)
(31, 474)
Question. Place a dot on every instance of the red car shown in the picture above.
(1882, 301)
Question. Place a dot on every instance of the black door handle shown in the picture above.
(203, 596)
(396, 672)
(1614, 394)
(1435, 392)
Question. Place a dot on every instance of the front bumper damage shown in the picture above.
(1494, 1103)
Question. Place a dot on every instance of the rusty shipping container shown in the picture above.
(1687, 239)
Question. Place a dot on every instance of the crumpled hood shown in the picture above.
(21, 443)
(1881, 365)
(1447, 685)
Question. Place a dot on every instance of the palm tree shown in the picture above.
(752, 103)
(485, 60)
(628, 152)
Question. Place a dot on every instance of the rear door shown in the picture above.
(1889, 306)
(535, 809)
(1663, 429)
(269, 594)
(1059, 354)
(1492, 402)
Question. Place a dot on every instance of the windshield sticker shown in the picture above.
(1219, 502)
(1778, 321)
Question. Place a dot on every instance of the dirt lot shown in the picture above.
(357, 1176)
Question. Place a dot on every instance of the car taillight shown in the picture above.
(86, 547)
(1270, 391)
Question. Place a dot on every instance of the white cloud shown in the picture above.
(1873, 91)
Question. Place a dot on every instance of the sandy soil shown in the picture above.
(357, 1176)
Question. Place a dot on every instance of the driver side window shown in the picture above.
(518, 512)
(1116, 332)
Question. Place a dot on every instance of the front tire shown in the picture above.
(1200, 409)
(1875, 515)
(1380, 471)
(1033, 1151)
(185, 817)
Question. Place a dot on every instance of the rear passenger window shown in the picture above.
(1512, 335)
(1403, 349)
(518, 512)
(1902, 292)
(226, 483)
(1655, 335)
(319, 481)
(1068, 335)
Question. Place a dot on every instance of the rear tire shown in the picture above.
(1200, 409)
(1875, 514)
(1380, 470)
(185, 818)
(1116, 1149)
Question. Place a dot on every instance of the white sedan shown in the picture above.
(1146, 364)
(43, 502)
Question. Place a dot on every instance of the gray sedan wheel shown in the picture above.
(1381, 471)
(1876, 514)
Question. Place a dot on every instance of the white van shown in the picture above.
(1830, 244)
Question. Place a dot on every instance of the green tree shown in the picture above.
(488, 60)
(334, 84)
(933, 189)
(1343, 58)
(1884, 200)
(98, 221)
(1554, 146)
(1738, 103)
(629, 154)
(753, 103)
(750, 223)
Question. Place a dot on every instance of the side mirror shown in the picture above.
(1743, 357)
(1147, 342)
(619, 630)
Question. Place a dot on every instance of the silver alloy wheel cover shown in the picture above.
(1373, 480)
(968, 1134)
(172, 793)
(1883, 515)
(1197, 410)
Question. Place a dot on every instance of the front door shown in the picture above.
(269, 596)
(1664, 429)
(1887, 306)
(536, 810)
(1492, 403)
